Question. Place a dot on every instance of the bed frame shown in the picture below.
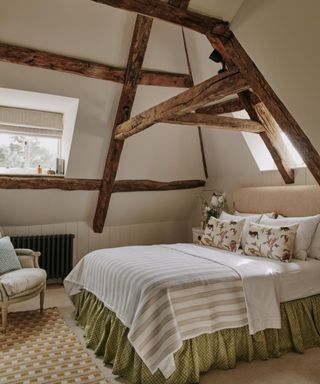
(297, 200)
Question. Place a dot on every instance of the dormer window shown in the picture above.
(29, 138)
(35, 130)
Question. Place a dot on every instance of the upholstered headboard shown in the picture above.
(297, 200)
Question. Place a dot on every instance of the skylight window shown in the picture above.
(261, 153)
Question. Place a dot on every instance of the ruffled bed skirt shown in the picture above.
(107, 336)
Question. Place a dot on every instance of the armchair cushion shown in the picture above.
(8, 258)
(24, 251)
(22, 280)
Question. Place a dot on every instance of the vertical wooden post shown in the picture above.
(138, 48)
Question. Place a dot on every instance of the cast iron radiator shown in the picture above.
(56, 252)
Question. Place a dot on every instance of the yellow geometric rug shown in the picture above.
(39, 348)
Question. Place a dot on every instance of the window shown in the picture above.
(29, 138)
(35, 128)
(27, 152)
(261, 153)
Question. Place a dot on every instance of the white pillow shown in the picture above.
(305, 232)
(314, 250)
(272, 215)
(248, 219)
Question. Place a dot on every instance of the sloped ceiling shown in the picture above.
(281, 43)
(87, 30)
(221, 9)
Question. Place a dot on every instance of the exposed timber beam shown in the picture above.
(228, 106)
(271, 137)
(46, 60)
(274, 105)
(151, 185)
(219, 122)
(65, 184)
(50, 182)
(138, 48)
(179, 3)
(161, 10)
(215, 88)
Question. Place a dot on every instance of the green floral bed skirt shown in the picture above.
(107, 336)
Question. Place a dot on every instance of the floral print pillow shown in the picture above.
(271, 242)
(224, 234)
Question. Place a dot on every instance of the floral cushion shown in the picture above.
(271, 242)
(248, 219)
(305, 233)
(224, 234)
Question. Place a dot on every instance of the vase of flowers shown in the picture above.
(217, 203)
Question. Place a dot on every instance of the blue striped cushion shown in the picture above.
(8, 258)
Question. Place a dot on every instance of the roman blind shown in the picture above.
(30, 122)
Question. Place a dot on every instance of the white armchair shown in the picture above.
(22, 284)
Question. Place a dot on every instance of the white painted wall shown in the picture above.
(92, 31)
(281, 38)
(113, 236)
(278, 34)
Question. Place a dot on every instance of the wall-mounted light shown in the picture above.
(217, 58)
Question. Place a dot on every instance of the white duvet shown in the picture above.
(166, 294)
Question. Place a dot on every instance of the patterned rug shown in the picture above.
(39, 348)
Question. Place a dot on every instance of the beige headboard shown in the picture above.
(300, 200)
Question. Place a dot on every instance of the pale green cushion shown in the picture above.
(8, 259)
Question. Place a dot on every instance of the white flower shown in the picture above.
(221, 200)
(214, 201)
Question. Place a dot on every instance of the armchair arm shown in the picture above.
(28, 258)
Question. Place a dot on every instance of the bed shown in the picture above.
(164, 314)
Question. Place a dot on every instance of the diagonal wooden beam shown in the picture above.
(274, 105)
(179, 3)
(218, 122)
(228, 106)
(210, 90)
(271, 137)
(46, 60)
(151, 185)
(138, 48)
(170, 13)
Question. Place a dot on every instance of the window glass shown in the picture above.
(27, 152)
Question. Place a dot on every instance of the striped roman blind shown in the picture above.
(31, 122)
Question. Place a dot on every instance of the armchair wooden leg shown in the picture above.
(42, 295)
(4, 312)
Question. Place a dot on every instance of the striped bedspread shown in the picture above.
(170, 293)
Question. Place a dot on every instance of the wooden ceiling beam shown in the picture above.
(228, 106)
(138, 48)
(215, 88)
(218, 122)
(274, 105)
(161, 10)
(65, 184)
(151, 185)
(46, 60)
(179, 3)
(50, 182)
